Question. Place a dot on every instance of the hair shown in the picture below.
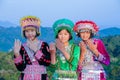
(37, 34)
(67, 31)
(91, 34)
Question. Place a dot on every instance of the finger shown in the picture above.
(15, 44)
(95, 44)
(52, 44)
(88, 42)
(58, 41)
(51, 47)
(82, 43)
(19, 42)
(47, 49)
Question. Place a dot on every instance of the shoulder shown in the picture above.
(75, 46)
(97, 40)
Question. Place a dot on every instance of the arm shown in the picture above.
(43, 55)
(103, 54)
(19, 61)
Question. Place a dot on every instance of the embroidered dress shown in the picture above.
(33, 65)
(65, 69)
(91, 68)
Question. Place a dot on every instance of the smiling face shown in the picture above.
(85, 34)
(30, 34)
(64, 36)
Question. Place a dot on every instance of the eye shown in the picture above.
(26, 31)
(32, 30)
(87, 31)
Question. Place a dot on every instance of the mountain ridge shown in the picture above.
(9, 34)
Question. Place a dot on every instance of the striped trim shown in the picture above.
(71, 53)
(53, 65)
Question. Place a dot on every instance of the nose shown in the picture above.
(63, 36)
(29, 32)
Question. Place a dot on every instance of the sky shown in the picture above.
(106, 13)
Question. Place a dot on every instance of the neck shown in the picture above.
(66, 43)
(33, 40)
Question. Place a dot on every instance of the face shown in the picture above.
(85, 35)
(64, 36)
(30, 34)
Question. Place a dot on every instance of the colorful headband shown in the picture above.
(30, 21)
(85, 24)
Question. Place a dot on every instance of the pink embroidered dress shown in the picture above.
(33, 65)
(91, 68)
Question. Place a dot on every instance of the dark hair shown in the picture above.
(91, 34)
(67, 31)
(37, 34)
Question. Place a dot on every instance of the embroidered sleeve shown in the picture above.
(43, 55)
(103, 56)
(100, 57)
(19, 62)
(18, 59)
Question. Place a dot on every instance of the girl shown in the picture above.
(93, 52)
(32, 57)
(64, 54)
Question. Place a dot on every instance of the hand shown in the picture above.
(52, 48)
(92, 46)
(82, 47)
(82, 52)
(60, 45)
(17, 46)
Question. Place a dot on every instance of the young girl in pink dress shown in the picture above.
(32, 57)
(93, 52)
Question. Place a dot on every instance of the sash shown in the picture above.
(31, 52)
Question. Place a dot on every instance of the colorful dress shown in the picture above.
(91, 68)
(65, 69)
(33, 65)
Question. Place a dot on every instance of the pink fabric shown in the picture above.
(33, 72)
(30, 77)
(101, 57)
(18, 59)
(35, 63)
(38, 54)
(79, 68)
(101, 48)
(102, 76)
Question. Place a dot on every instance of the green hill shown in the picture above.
(112, 44)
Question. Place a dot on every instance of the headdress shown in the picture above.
(86, 24)
(63, 24)
(29, 22)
